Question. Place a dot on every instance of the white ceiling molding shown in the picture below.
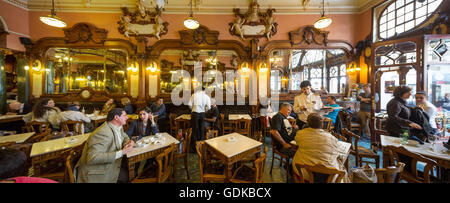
(19, 3)
(283, 7)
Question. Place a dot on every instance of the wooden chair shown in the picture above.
(37, 127)
(311, 170)
(360, 152)
(282, 158)
(292, 121)
(226, 126)
(410, 173)
(243, 127)
(54, 169)
(71, 161)
(38, 137)
(185, 142)
(390, 174)
(207, 172)
(339, 137)
(173, 124)
(265, 129)
(347, 121)
(327, 124)
(72, 126)
(254, 175)
(162, 171)
(210, 134)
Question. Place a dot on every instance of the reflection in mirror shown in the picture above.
(69, 69)
(325, 68)
(212, 62)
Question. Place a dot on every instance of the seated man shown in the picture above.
(73, 113)
(14, 169)
(318, 147)
(282, 131)
(334, 112)
(212, 114)
(16, 107)
(159, 109)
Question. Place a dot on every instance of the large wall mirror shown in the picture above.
(325, 68)
(70, 69)
(213, 63)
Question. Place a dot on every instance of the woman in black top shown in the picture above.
(144, 126)
(399, 113)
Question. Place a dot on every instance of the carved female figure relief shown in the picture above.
(237, 25)
(254, 13)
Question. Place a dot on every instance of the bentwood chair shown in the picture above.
(72, 126)
(173, 124)
(185, 147)
(161, 172)
(334, 175)
(210, 134)
(38, 137)
(281, 157)
(410, 159)
(71, 161)
(391, 174)
(208, 172)
(37, 127)
(226, 125)
(243, 127)
(347, 121)
(360, 152)
(247, 174)
(327, 124)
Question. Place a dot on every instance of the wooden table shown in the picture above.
(231, 152)
(233, 117)
(10, 118)
(48, 150)
(17, 138)
(442, 158)
(97, 120)
(183, 121)
(139, 154)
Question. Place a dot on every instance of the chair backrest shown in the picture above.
(401, 154)
(187, 134)
(258, 135)
(38, 137)
(212, 134)
(292, 121)
(259, 166)
(165, 163)
(38, 127)
(390, 174)
(350, 136)
(244, 125)
(339, 137)
(200, 148)
(71, 161)
(346, 119)
(72, 126)
(327, 122)
(331, 172)
(172, 123)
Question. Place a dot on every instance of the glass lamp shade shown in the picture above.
(191, 23)
(323, 22)
(53, 21)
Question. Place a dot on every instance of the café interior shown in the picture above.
(356, 56)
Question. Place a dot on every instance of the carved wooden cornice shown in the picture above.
(199, 36)
(309, 35)
(85, 32)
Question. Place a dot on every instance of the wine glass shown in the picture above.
(432, 139)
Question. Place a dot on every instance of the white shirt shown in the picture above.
(431, 110)
(200, 102)
(117, 133)
(73, 116)
(312, 103)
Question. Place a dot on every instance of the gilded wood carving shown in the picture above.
(309, 35)
(201, 35)
(83, 32)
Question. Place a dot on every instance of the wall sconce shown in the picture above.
(212, 59)
(263, 67)
(36, 66)
(276, 57)
(153, 67)
(133, 67)
(244, 67)
(26, 67)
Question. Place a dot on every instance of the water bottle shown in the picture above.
(405, 137)
(82, 111)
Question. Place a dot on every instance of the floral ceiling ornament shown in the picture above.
(253, 23)
(143, 22)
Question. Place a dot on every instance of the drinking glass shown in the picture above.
(432, 139)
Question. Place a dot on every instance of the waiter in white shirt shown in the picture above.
(306, 103)
(199, 103)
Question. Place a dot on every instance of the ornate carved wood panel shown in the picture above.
(199, 36)
(309, 35)
(84, 32)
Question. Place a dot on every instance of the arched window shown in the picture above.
(403, 15)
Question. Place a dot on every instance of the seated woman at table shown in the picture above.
(399, 113)
(108, 106)
(334, 112)
(144, 126)
(73, 114)
(44, 111)
(318, 147)
(127, 105)
(14, 169)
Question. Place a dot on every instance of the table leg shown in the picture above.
(228, 175)
(130, 170)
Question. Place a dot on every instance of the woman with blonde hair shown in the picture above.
(127, 105)
(108, 106)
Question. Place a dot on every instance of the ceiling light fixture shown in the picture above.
(52, 19)
(323, 21)
(191, 23)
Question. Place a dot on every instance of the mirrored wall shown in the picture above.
(70, 69)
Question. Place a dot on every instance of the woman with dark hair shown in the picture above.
(144, 126)
(399, 113)
(44, 111)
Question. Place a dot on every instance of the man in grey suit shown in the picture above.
(101, 161)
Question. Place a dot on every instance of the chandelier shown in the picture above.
(52, 19)
(190, 22)
(323, 21)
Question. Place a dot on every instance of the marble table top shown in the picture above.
(96, 117)
(440, 152)
(152, 146)
(229, 148)
(239, 116)
(184, 117)
(18, 138)
(4, 117)
(49, 146)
